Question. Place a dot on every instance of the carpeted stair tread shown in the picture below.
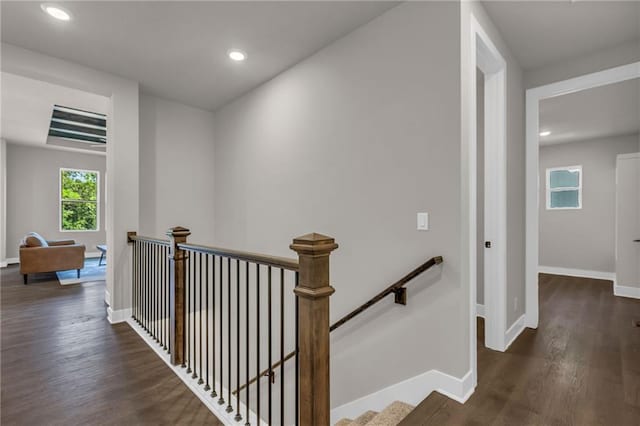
(344, 422)
(364, 419)
(426, 409)
(392, 415)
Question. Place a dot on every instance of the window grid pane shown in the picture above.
(565, 199)
(78, 200)
(564, 179)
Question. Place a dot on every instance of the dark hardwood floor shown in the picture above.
(580, 367)
(64, 364)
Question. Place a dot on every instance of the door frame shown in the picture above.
(486, 56)
(533, 98)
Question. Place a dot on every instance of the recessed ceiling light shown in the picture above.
(56, 11)
(237, 55)
(545, 133)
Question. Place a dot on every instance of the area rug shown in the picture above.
(90, 272)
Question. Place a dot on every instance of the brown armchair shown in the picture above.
(39, 255)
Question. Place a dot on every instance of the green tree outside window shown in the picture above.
(78, 200)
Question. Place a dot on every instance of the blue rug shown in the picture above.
(90, 272)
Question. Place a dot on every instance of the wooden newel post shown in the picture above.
(313, 293)
(177, 258)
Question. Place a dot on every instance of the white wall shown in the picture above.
(176, 169)
(352, 143)
(33, 191)
(122, 152)
(585, 238)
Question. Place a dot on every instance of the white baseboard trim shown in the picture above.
(411, 391)
(210, 402)
(514, 331)
(107, 297)
(582, 273)
(121, 315)
(3, 264)
(479, 310)
(11, 261)
(91, 254)
(626, 291)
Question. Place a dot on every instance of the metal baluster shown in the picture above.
(168, 308)
(143, 281)
(221, 399)
(193, 317)
(257, 342)
(270, 373)
(282, 347)
(146, 286)
(154, 299)
(200, 381)
(187, 286)
(135, 281)
(246, 280)
(165, 290)
(238, 416)
(297, 372)
(160, 299)
(229, 407)
(206, 320)
(213, 327)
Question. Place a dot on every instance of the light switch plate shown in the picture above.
(423, 221)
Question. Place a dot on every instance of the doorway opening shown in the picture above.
(534, 180)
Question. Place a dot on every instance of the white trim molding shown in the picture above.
(533, 98)
(514, 331)
(121, 315)
(11, 260)
(581, 273)
(484, 54)
(479, 310)
(411, 391)
(626, 291)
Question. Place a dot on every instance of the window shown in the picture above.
(79, 195)
(564, 188)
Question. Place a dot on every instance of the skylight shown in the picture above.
(78, 125)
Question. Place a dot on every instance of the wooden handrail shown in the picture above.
(133, 237)
(263, 259)
(393, 288)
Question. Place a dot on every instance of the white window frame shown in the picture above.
(567, 188)
(62, 169)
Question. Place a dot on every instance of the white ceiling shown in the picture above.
(177, 50)
(543, 32)
(27, 105)
(590, 114)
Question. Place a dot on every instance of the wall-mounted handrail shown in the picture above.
(398, 288)
(262, 259)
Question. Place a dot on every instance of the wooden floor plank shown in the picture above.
(64, 364)
(580, 367)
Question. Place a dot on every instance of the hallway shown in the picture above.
(63, 363)
(581, 367)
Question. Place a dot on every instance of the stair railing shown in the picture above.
(203, 306)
